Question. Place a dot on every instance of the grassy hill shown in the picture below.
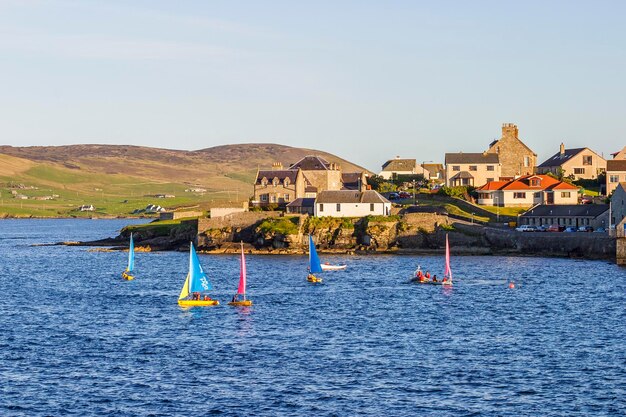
(119, 179)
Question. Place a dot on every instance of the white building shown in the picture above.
(527, 191)
(348, 203)
(398, 166)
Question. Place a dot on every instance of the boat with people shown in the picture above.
(128, 272)
(424, 278)
(315, 266)
(241, 289)
(193, 293)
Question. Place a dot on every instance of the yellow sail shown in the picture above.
(184, 292)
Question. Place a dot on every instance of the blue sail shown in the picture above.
(198, 280)
(315, 265)
(131, 255)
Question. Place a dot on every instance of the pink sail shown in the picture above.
(448, 272)
(242, 275)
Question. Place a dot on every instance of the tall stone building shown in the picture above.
(515, 157)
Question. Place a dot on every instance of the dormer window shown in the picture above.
(535, 182)
(275, 182)
(264, 182)
(286, 182)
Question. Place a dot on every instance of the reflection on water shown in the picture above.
(77, 339)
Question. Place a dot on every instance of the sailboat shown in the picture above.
(241, 290)
(447, 274)
(195, 284)
(128, 273)
(315, 266)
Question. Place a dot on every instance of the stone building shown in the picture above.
(594, 215)
(515, 157)
(581, 163)
(615, 174)
(471, 169)
(303, 179)
(618, 205)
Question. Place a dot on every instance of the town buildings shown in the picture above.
(618, 206)
(594, 215)
(514, 156)
(303, 179)
(399, 166)
(471, 169)
(577, 163)
(348, 203)
(527, 191)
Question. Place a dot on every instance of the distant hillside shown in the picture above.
(108, 175)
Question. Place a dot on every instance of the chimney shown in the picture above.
(562, 149)
(509, 130)
(277, 165)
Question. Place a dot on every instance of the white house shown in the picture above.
(527, 191)
(349, 203)
(399, 166)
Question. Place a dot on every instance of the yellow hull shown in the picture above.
(245, 303)
(197, 303)
(313, 279)
(127, 276)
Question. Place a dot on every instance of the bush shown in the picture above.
(283, 225)
(459, 192)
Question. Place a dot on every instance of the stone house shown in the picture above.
(615, 174)
(301, 206)
(594, 215)
(347, 203)
(471, 169)
(514, 156)
(581, 163)
(618, 204)
(399, 166)
(527, 191)
(304, 179)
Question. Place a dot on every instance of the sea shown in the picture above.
(77, 340)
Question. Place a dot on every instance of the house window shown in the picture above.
(456, 167)
(587, 159)
(286, 197)
(264, 197)
(273, 198)
(473, 168)
(519, 195)
(286, 182)
(565, 194)
(579, 171)
(275, 182)
(613, 178)
(527, 161)
(338, 207)
(538, 195)
(264, 182)
(489, 179)
(490, 168)
(465, 181)
(371, 206)
(321, 207)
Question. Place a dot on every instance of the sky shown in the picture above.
(365, 80)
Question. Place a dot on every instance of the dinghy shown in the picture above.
(241, 290)
(196, 284)
(128, 273)
(315, 266)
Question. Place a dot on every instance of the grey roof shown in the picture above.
(348, 196)
(302, 202)
(281, 174)
(472, 158)
(399, 165)
(557, 159)
(351, 180)
(462, 174)
(311, 163)
(565, 210)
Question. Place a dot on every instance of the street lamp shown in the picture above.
(414, 200)
(497, 209)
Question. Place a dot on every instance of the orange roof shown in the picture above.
(523, 183)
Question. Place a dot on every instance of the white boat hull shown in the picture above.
(326, 267)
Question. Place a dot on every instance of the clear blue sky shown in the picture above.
(366, 80)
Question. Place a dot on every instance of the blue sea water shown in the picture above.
(75, 339)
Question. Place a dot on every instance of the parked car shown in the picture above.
(586, 200)
(526, 228)
(585, 229)
(542, 228)
(571, 229)
(393, 196)
(556, 228)
(600, 230)
(404, 194)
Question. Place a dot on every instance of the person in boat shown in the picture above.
(434, 278)
(207, 298)
(427, 276)
(418, 272)
(195, 296)
(312, 277)
(234, 300)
